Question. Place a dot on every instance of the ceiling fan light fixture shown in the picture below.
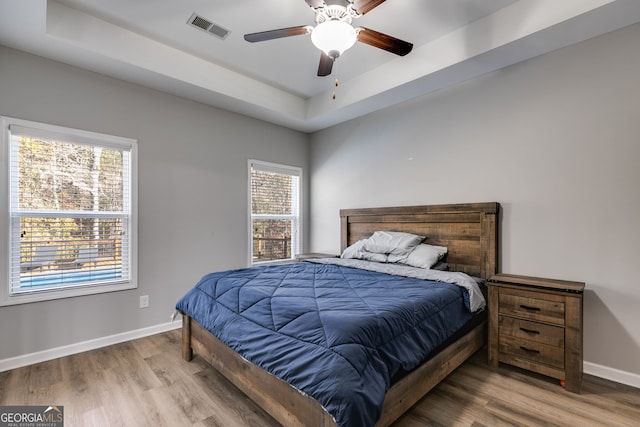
(333, 37)
(333, 33)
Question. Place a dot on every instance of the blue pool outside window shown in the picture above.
(71, 210)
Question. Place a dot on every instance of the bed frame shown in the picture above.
(469, 231)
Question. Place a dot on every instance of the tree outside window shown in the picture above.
(71, 218)
(275, 211)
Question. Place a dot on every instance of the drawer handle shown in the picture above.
(529, 331)
(528, 307)
(529, 350)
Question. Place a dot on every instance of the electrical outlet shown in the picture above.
(144, 301)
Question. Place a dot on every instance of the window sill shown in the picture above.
(54, 294)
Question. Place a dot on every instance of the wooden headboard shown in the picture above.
(468, 230)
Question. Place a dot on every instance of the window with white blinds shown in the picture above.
(71, 211)
(275, 224)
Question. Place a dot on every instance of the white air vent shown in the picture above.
(207, 25)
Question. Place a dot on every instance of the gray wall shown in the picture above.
(192, 192)
(555, 140)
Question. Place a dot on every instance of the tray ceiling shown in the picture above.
(151, 42)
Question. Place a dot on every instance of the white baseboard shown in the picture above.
(612, 374)
(67, 350)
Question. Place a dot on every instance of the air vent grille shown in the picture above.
(202, 23)
(209, 26)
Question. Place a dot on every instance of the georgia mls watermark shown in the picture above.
(31, 416)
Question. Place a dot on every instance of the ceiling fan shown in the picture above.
(333, 33)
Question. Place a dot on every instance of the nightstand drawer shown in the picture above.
(529, 305)
(532, 331)
(533, 351)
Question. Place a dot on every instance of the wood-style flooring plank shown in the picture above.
(146, 383)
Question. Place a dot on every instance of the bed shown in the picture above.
(470, 234)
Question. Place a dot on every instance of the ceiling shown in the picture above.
(150, 43)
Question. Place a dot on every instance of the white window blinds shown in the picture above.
(70, 209)
(275, 211)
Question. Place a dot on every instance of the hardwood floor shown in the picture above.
(146, 383)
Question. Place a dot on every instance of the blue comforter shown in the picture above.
(339, 334)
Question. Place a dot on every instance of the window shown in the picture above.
(275, 227)
(70, 207)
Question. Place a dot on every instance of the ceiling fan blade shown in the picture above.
(326, 65)
(315, 3)
(364, 6)
(383, 41)
(277, 34)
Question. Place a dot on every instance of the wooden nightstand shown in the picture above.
(536, 324)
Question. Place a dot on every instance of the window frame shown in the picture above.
(68, 135)
(280, 168)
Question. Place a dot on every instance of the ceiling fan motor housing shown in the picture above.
(335, 12)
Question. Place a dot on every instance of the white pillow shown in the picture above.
(372, 256)
(425, 256)
(399, 256)
(357, 251)
(391, 242)
(353, 250)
